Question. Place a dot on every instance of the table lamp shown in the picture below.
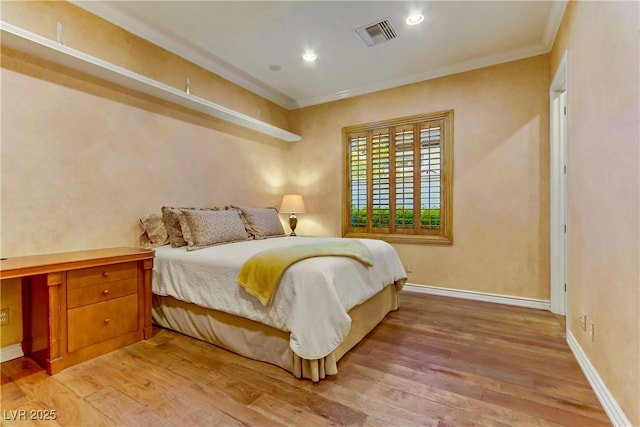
(292, 203)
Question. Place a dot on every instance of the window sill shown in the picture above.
(405, 238)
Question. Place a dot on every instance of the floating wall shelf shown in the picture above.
(41, 47)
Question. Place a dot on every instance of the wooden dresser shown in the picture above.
(78, 305)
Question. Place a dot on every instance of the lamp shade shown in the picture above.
(292, 203)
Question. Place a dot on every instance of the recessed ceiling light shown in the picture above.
(309, 56)
(415, 19)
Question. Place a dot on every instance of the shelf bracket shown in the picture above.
(59, 33)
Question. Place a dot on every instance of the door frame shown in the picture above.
(559, 194)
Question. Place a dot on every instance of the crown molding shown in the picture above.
(486, 61)
(186, 50)
(199, 56)
(553, 23)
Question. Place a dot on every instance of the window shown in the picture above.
(398, 179)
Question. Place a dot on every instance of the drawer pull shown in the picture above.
(107, 320)
(105, 274)
(105, 292)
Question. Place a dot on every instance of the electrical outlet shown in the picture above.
(409, 268)
(4, 316)
(583, 321)
(592, 332)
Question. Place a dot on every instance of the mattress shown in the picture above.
(261, 342)
(312, 302)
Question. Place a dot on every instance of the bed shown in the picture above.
(322, 307)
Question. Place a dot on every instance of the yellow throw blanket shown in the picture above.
(260, 274)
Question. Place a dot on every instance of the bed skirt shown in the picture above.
(265, 343)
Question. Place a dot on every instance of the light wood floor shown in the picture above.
(437, 361)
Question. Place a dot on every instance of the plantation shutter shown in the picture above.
(380, 180)
(430, 174)
(358, 175)
(397, 183)
(404, 174)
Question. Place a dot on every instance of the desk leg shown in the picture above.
(43, 308)
(56, 284)
(27, 317)
(36, 318)
(146, 279)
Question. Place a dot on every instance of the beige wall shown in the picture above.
(82, 160)
(501, 169)
(11, 297)
(97, 37)
(604, 188)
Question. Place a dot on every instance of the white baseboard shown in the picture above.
(11, 352)
(608, 402)
(480, 296)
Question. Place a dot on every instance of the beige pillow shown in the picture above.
(262, 222)
(154, 233)
(208, 228)
(170, 216)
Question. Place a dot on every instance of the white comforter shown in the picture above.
(311, 302)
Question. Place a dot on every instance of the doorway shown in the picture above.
(559, 200)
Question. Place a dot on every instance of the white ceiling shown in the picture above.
(240, 40)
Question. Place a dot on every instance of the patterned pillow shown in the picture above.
(208, 228)
(154, 233)
(170, 216)
(262, 222)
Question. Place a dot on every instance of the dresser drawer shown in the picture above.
(102, 274)
(98, 322)
(84, 295)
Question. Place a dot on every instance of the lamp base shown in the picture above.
(293, 222)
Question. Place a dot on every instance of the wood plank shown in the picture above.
(224, 394)
(165, 395)
(50, 395)
(436, 361)
(122, 408)
(314, 405)
(579, 400)
(201, 374)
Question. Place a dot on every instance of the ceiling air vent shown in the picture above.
(376, 33)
